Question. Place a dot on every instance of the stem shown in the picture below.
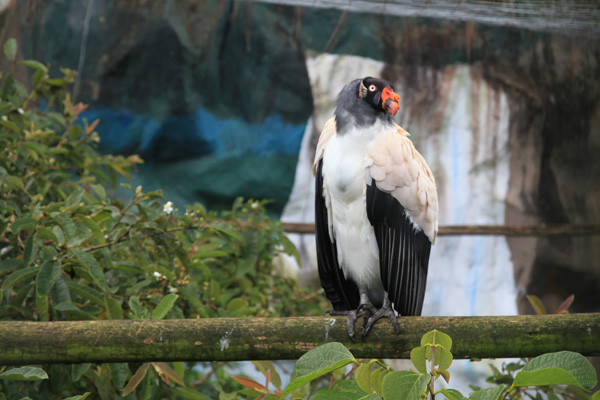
(431, 382)
(133, 201)
(101, 246)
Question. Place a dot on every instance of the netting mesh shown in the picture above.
(581, 18)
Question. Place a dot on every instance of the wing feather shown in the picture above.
(398, 168)
(402, 207)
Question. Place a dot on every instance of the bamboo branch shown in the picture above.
(519, 230)
(230, 339)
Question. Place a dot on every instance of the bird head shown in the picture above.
(379, 94)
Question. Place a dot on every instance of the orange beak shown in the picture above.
(389, 101)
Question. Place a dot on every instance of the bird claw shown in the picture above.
(386, 312)
(364, 310)
(369, 314)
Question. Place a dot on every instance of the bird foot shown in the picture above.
(364, 310)
(385, 311)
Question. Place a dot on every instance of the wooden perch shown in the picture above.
(230, 339)
(520, 230)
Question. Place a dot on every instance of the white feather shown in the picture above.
(344, 167)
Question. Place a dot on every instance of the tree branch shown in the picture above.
(520, 230)
(230, 339)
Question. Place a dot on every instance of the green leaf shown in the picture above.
(77, 371)
(189, 393)
(78, 397)
(22, 223)
(139, 311)
(74, 197)
(318, 362)
(596, 396)
(223, 227)
(443, 359)
(113, 308)
(452, 394)
(546, 376)
(136, 379)
(29, 251)
(574, 363)
(328, 394)
(94, 227)
(99, 190)
(74, 132)
(290, 248)
(95, 269)
(119, 373)
(405, 385)
(41, 306)
(492, 393)
(362, 375)
(46, 234)
(345, 390)
(66, 306)
(164, 306)
(19, 276)
(13, 127)
(417, 356)
(440, 338)
(58, 234)
(66, 223)
(86, 292)
(24, 374)
(47, 276)
(35, 65)
(10, 49)
(377, 378)
(56, 81)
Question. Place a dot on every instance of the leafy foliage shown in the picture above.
(71, 251)
(374, 380)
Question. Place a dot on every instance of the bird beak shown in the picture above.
(389, 101)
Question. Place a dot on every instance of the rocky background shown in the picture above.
(216, 96)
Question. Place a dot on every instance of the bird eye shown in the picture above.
(372, 88)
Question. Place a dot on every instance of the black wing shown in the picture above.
(403, 251)
(342, 293)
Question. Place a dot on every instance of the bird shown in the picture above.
(376, 209)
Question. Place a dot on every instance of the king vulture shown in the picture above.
(376, 209)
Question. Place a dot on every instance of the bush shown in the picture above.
(546, 376)
(70, 251)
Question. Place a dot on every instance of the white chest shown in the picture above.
(343, 169)
(344, 162)
(345, 192)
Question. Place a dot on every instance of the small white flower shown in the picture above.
(254, 205)
(4, 118)
(158, 275)
(172, 290)
(20, 110)
(168, 207)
